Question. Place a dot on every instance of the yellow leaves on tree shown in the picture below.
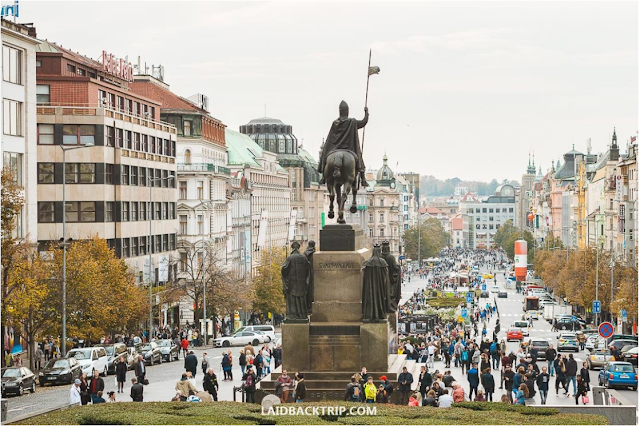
(267, 284)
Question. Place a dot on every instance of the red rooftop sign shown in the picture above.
(117, 66)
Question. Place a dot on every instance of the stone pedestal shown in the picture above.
(374, 346)
(347, 237)
(295, 344)
(337, 280)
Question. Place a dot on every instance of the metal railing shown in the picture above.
(107, 111)
(203, 167)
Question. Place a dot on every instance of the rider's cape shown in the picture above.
(343, 135)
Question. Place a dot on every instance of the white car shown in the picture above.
(495, 289)
(268, 330)
(241, 338)
(91, 359)
(594, 342)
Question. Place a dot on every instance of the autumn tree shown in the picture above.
(507, 235)
(267, 283)
(433, 238)
(201, 267)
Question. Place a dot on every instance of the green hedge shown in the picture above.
(444, 302)
(182, 413)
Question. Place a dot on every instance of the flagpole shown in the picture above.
(366, 98)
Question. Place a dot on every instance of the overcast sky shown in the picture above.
(466, 89)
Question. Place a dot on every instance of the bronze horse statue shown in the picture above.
(341, 179)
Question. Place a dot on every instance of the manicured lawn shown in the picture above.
(182, 413)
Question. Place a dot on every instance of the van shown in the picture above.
(268, 330)
(91, 359)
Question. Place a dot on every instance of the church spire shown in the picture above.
(531, 168)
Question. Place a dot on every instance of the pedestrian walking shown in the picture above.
(249, 385)
(137, 390)
(95, 385)
(140, 370)
(210, 383)
(74, 393)
(543, 385)
(488, 383)
(121, 373)
(191, 363)
(405, 379)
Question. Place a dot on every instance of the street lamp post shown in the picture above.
(64, 241)
(150, 182)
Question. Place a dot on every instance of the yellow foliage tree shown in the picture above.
(267, 284)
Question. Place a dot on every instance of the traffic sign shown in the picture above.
(484, 287)
(574, 318)
(402, 257)
(595, 307)
(469, 297)
(464, 313)
(605, 330)
(623, 314)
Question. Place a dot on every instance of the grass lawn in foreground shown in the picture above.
(183, 413)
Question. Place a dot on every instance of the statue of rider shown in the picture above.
(344, 135)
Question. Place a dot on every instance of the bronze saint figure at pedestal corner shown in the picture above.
(308, 253)
(375, 287)
(395, 286)
(295, 283)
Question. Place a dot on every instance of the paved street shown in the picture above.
(511, 310)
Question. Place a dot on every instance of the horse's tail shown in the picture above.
(337, 166)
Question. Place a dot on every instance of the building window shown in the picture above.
(125, 211)
(127, 139)
(71, 68)
(72, 133)
(381, 217)
(172, 241)
(108, 211)
(490, 210)
(158, 178)
(43, 95)
(477, 210)
(46, 212)
(200, 224)
(143, 245)
(371, 232)
(143, 211)
(158, 212)
(510, 209)
(187, 157)
(165, 211)
(142, 181)
(45, 134)
(136, 143)
(183, 190)
(183, 224)
(125, 247)
(504, 210)
(382, 232)
(490, 218)
(172, 211)
(187, 128)
(134, 246)
(382, 202)
(38, 64)
(134, 211)
(134, 175)
(165, 242)
(45, 172)
(81, 211)
(124, 175)
(12, 117)
(484, 210)
(158, 241)
(13, 160)
(183, 262)
(11, 65)
(200, 187)
(80, 173)
(110, 136)
(109, 174)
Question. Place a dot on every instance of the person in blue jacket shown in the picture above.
(474, 380)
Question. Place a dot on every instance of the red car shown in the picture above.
(514, 334)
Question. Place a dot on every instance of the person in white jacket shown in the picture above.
(74, 393)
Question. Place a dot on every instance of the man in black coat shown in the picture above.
(405, 379)
(191, 363)
(425, 380)
(572, 369)
(136, 390)
(95, 385)
(550, 356)
(140, 370)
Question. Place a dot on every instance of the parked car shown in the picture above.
(170, 351)
(241, 338)
(514, 334)
(618, 374)
(15, 380)
(268, 330)
(540, 344)
(114, 352)
(132, 356)
(568, 341)
(502, 295)
(567, 323)
(91, 359)
(495, 289)
(57, 371)
(599, 358)
(593, 342)
(631, 355)
(623, 337)
(150, 352)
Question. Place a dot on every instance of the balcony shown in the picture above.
(203, 167)
(107, 111)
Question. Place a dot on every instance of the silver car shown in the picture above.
(599, 358)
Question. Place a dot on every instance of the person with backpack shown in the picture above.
(464, 360)
(488, 383)
(353, 392)
(370, 391)
(495, 355)
(249, 385)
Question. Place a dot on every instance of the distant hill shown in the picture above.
(430, 186)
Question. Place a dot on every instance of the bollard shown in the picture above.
(3, 402)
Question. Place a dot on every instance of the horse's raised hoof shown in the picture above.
(342, 221)
(331, 215)
(353, 209)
